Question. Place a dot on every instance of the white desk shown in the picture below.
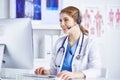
(60, 79)
(50, 77)
(103, 79)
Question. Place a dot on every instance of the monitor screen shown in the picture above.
(17, 36)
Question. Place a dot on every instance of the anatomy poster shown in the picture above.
(93, 20)
(113, 17)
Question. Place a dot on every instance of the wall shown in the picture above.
(109, 42)
(89, 2)
(43, 41)
(4, 9)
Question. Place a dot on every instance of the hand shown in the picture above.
(42, 71)
(66, 75)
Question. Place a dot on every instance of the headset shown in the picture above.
(79, 18)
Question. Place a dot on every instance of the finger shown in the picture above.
(35, 72)
(38, 70)
(58, 75)
(45, 72)
(61, 74)
(66, 77)
(41, 70)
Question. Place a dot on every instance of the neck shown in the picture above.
(74, 35)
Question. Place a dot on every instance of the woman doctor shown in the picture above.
(76, 54)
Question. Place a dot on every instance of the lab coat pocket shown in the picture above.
(80, 64)
(76, 66)
(58, 60)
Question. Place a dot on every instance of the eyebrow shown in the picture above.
(65, 17)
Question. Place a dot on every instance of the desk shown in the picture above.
(48, 77)
(103, 79)
(60, 79)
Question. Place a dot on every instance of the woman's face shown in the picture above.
(66, 22)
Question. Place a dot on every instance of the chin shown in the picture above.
(66, 33)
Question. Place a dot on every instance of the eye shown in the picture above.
(66, 19)
(60, 20)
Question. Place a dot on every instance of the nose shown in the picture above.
(62, 24)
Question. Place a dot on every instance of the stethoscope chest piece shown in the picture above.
(78, 57)
(62, 50)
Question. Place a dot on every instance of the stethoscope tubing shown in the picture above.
(62, 46)
(61, 51)
(78, 57)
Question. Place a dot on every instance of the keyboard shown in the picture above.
(27, 76)
(38, 76)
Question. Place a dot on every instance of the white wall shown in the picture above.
(110, 45)
(89, 2)
(4, 9)
(111, 52)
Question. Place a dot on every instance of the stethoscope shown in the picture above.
(62, 48)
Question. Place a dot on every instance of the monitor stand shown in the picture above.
(2, 49)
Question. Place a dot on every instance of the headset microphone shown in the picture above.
(69, 27)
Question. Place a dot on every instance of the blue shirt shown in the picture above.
(69, 56)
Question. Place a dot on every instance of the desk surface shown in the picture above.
(61, 79)
(47, 77)
(104, 79)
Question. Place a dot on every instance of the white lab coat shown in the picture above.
(90, 63)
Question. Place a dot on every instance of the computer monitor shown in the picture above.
(16, 36)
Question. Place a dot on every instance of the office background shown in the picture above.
(109, 41)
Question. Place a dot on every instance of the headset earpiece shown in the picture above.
(79, 19)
